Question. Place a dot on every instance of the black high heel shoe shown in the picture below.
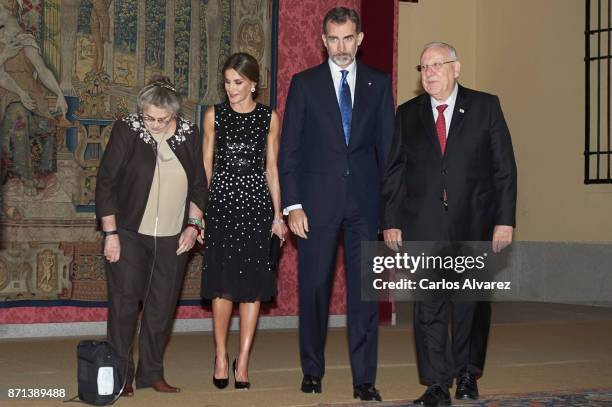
(237, 384)
(220, 383)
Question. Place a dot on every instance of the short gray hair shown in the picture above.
(161, 93)
(451, 50)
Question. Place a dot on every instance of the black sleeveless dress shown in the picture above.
(239, 214)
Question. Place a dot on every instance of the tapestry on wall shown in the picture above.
(68, 69)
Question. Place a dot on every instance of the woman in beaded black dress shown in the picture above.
(241, 139)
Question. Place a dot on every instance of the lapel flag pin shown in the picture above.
(461, 110)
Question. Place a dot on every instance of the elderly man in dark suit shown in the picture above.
(450, 176)
(337, 129)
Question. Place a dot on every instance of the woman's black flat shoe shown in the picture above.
(220, 383)
(237, 384)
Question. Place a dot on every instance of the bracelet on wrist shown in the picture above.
(107, 233)
(279, 221)
(197, 222)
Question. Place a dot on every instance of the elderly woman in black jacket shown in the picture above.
(150, 193)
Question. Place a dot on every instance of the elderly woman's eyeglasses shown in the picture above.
(161, 121)
(436, 66)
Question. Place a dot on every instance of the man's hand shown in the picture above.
(393, 239)
(298, 223)
(112, 248)
(502, 237)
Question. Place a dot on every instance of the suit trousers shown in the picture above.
(142, 258)
(438, 360)
(316, 270)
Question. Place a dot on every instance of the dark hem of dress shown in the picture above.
(229, 297)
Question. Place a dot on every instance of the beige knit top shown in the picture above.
(169, 186)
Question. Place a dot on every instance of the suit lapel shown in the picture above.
(462, 105)
(427, 121)
(361, 88)
(329, 99)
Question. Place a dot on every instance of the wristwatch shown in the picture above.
(109, 233)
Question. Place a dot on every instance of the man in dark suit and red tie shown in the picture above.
(450, 176)
(337, 129)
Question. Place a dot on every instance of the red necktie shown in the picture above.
(441, 130)
(441, 127)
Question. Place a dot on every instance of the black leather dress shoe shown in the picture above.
(467, 389)
(434, 396)
(311, 384)
(366, 392)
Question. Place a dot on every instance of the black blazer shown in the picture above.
(315, 164)
(478, 172)
(128, 165)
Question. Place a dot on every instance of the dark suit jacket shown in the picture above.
(316, 166)
(478, 172)
(128, 165)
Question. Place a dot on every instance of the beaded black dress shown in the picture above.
(239, 214)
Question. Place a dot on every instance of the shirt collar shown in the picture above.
(335, 69)
(450, 101)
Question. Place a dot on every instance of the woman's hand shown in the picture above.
(279, 229)
(112, 248)
(201, 234)
(187, 240)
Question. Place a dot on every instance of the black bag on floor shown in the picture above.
(101, 373)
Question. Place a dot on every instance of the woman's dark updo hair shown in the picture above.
(246, 65)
